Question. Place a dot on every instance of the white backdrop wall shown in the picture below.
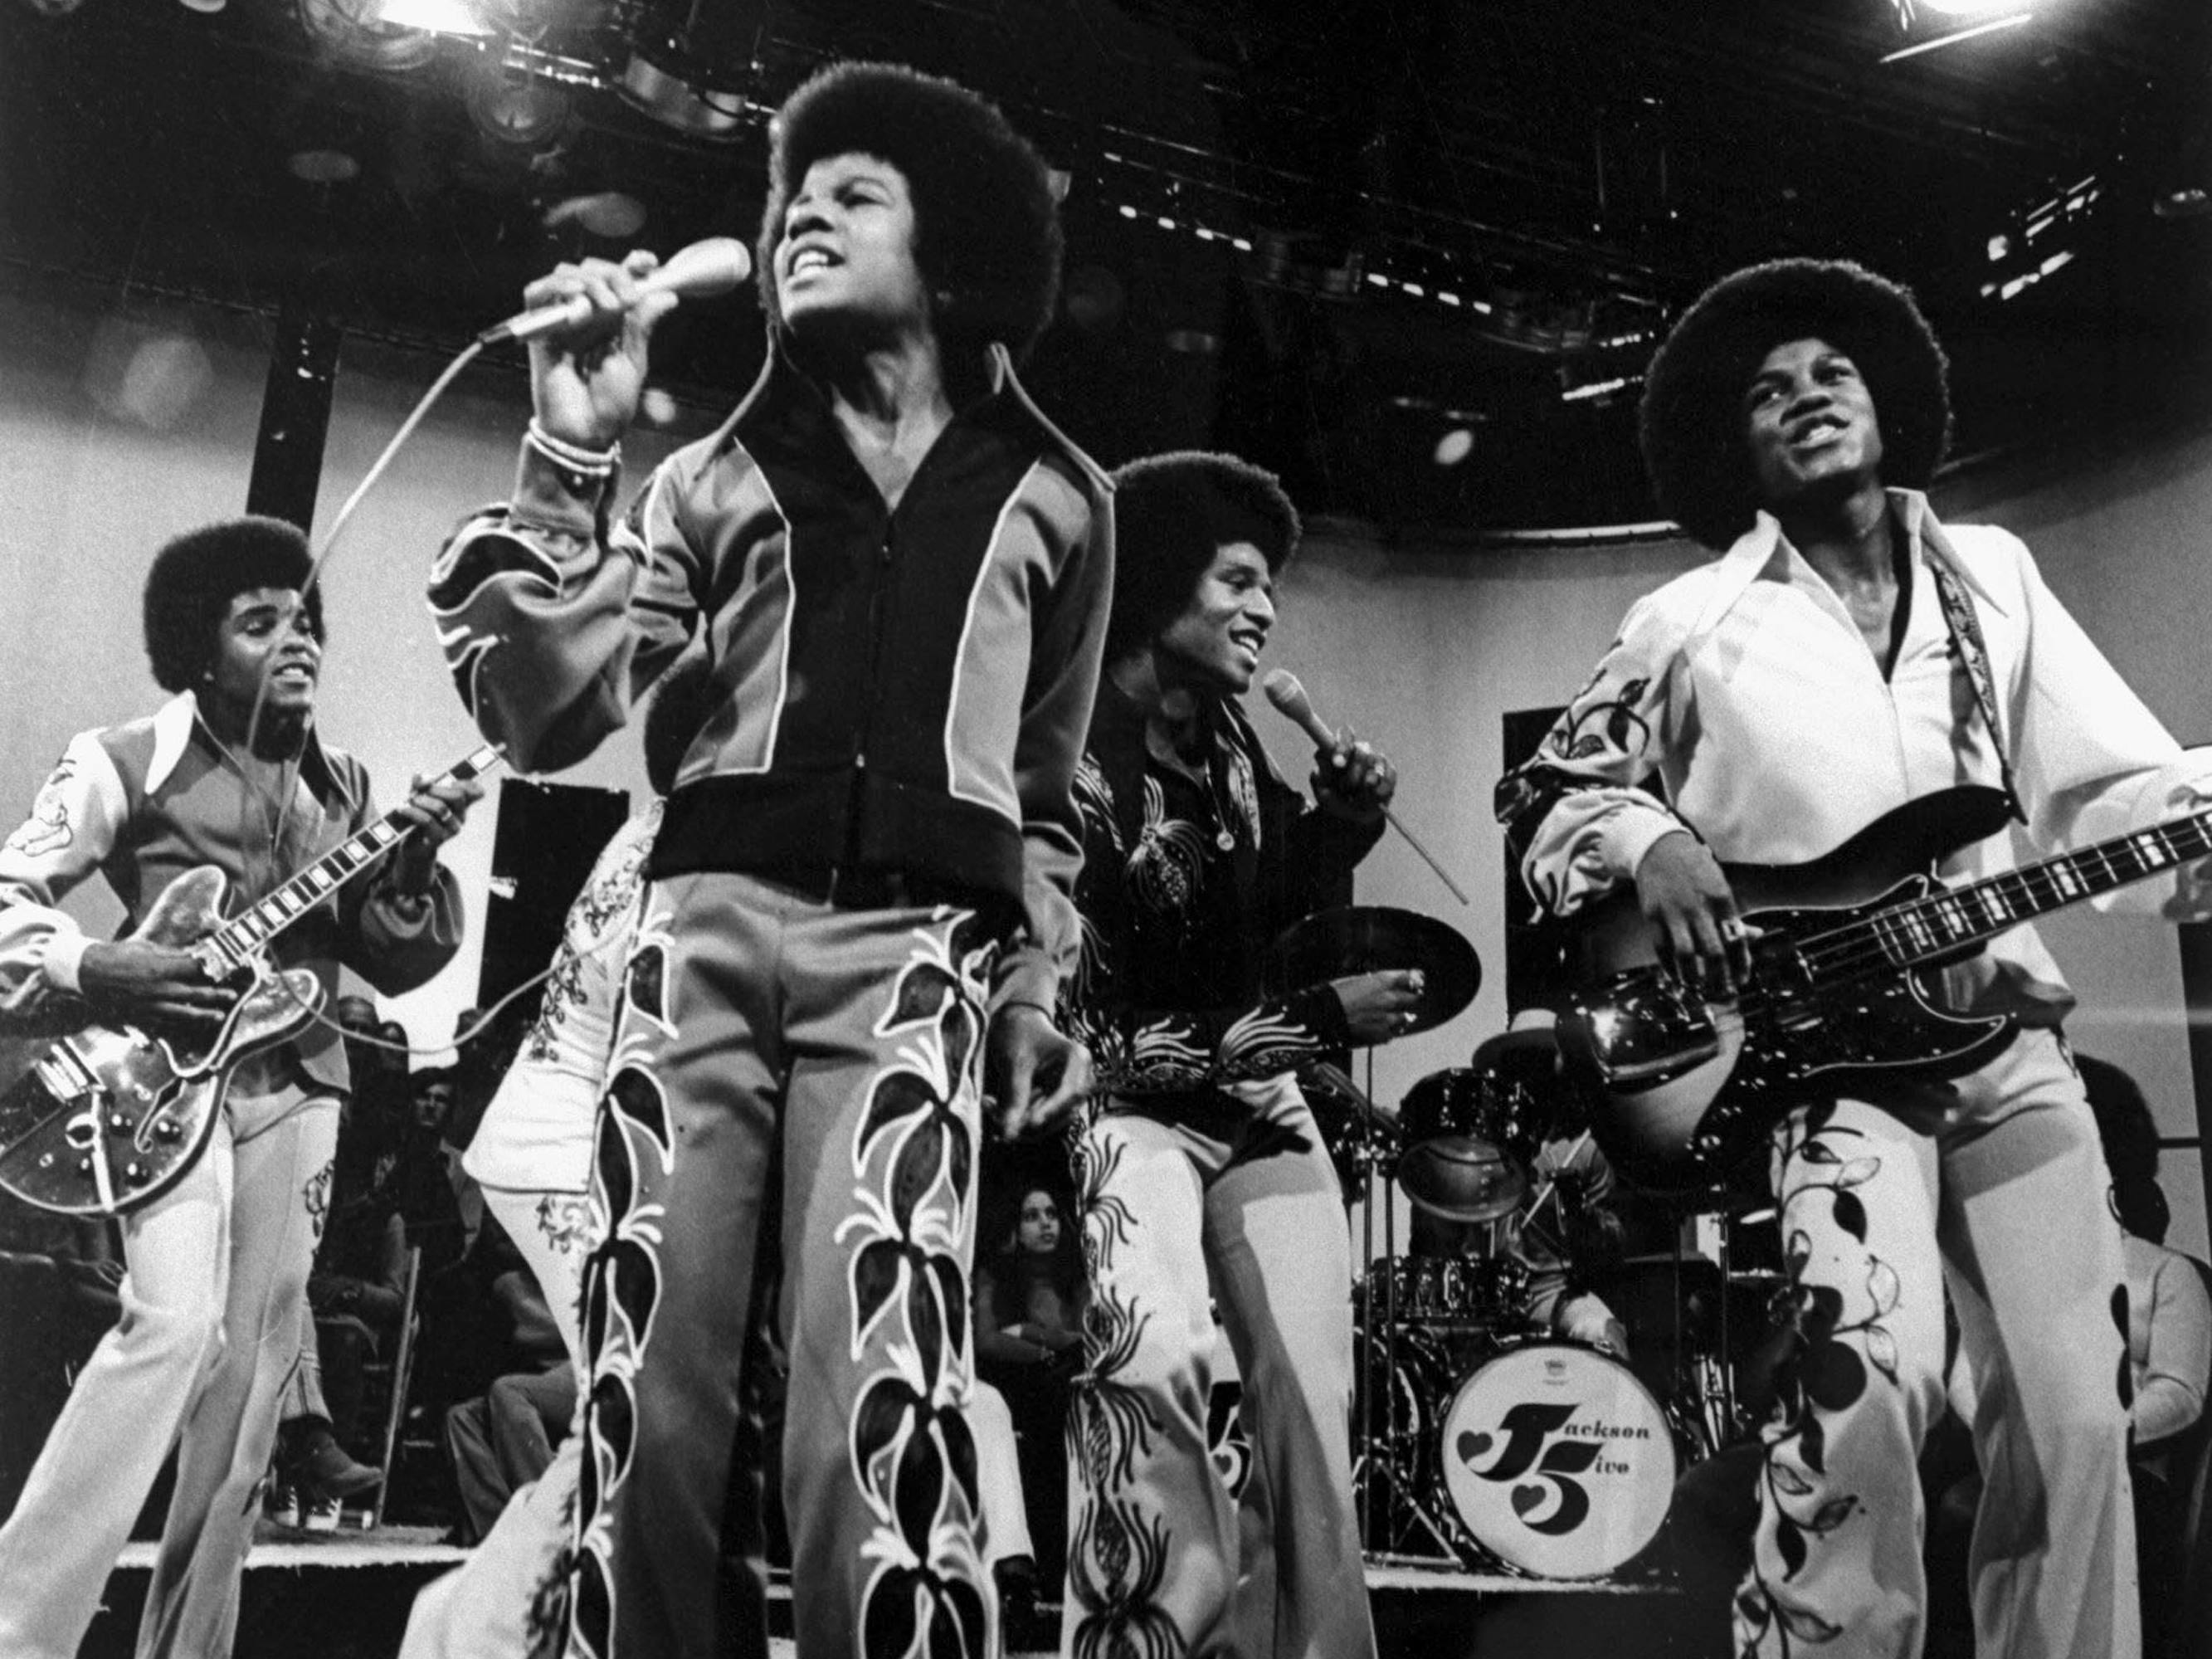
(1422, 649)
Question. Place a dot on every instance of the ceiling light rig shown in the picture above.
(1973, 19)
(693, 69)
(2041, 241)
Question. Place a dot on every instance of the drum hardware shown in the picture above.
(1401, 1375)
(1468, 1135)
(1357, 938)
(1360, 1137)
(1491, 1292)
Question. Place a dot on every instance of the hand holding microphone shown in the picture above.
(587, 322)
(1365, 780)
(1353, 776)
(573, 295)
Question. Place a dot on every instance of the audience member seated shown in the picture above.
(421, 1178)
(383, 1096)
(483, 1049)
(503, 1440)
(1029, 1301)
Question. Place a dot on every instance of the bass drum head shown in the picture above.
(1558, 1461)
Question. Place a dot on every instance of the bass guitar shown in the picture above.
(1840, 994)
(112, 1117)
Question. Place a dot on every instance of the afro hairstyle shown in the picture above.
(194, 578)
(987, 225)
(1695, 448)
(1172, 513)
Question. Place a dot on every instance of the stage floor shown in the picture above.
(345, 1596)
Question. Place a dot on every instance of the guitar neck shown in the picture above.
(246, 935)
(1952, 919)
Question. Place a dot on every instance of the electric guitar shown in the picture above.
(1838, 994)
(111, 1117)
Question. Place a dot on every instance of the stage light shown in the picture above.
(1972, 7)
(356, 31)
(1971, 32)
(1455, 446)
(523, 110)
(434, 16)
(2183, 201)
(1590, 390)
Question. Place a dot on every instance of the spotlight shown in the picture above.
(522, 111)
(436, 16)
(1455, 446)
(356, 31)
(2183, 201)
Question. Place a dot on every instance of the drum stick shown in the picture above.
(1290, 698)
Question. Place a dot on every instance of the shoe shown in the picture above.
(325, 1465)
(321, 1513)
(282, 1505)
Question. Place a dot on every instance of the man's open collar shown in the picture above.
(1755, 549)
(783, 396)
(175, 721)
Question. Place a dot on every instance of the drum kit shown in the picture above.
(1479, 1438)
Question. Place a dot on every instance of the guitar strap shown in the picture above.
(1967, 643)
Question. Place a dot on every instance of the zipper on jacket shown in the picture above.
(878, 624)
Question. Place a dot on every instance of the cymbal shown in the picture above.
(1365, 939)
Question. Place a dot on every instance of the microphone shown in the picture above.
(697, 272)
(1289, 697)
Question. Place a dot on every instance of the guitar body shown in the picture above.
(1688, 1090)
(111, 1118)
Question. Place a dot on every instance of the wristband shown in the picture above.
(590, 464)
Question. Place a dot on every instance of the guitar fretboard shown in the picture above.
(247, 934)
(1905, 936)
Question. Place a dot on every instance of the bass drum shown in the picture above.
(1559, 1461)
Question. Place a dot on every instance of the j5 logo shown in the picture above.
(1550, 1469)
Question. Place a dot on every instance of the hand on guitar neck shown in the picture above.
(1686, 899)
(156, 987)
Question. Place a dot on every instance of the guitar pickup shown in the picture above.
(1641, 1030)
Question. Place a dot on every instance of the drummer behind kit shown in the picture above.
(1479, 1439)
(1484, 1441)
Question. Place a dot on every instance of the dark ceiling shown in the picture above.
(1326, 236)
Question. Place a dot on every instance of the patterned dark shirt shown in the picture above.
(1184, 887)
